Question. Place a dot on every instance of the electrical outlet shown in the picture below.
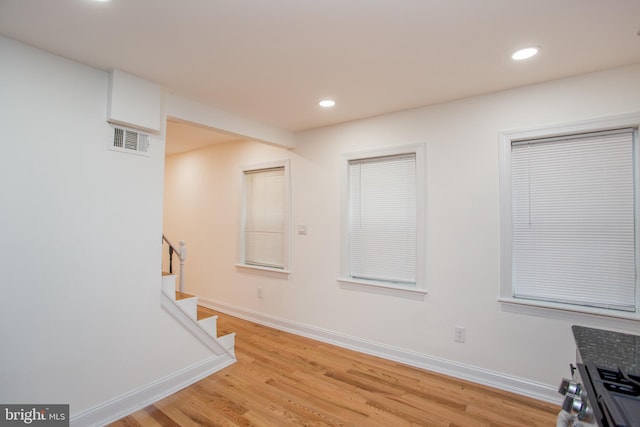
(259, 293)
(459, 334)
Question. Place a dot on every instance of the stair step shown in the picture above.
(210, 325)
(189, 306)
(183, 295)
(228, 342)
(184, 306)
(169, 286)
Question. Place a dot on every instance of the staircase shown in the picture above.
(185, 311)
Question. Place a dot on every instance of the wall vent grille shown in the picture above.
(129, 141)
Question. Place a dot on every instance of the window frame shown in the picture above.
(388, 288)
(285, 164)
(604, 316)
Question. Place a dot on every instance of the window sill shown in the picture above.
(274, 272)
(597, 316)
(382, 288)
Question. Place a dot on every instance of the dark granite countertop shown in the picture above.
(608, 349)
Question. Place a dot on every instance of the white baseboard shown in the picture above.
(521, 386)
(137, 399)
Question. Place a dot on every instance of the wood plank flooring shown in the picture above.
(282, 379)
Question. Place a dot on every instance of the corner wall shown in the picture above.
(463, 232)
(81, 321)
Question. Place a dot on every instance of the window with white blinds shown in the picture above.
(265, 218)
(382, 223)
(573, 220)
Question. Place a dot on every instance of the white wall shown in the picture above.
(202, 196)
(181, 108)
(81, 321)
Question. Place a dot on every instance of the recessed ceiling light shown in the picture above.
(327, 103)
(525, 53)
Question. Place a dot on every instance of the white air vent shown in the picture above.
(129, 141)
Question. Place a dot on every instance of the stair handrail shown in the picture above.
(182, 254)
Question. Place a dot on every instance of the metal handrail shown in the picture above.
(169, 242)
(182, 253)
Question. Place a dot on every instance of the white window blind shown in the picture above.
(573, 223)
(265, 217)
(382, 219)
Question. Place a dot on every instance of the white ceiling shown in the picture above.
(271, 61)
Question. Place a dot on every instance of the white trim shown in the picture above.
(121, 406)
(571, 313)
(521, 386)
(382, 288)
(420, 151)
(278, 271)
(590, 125)
(595, 317)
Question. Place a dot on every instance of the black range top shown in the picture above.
(609, 365)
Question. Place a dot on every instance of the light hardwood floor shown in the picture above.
(282, 379)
